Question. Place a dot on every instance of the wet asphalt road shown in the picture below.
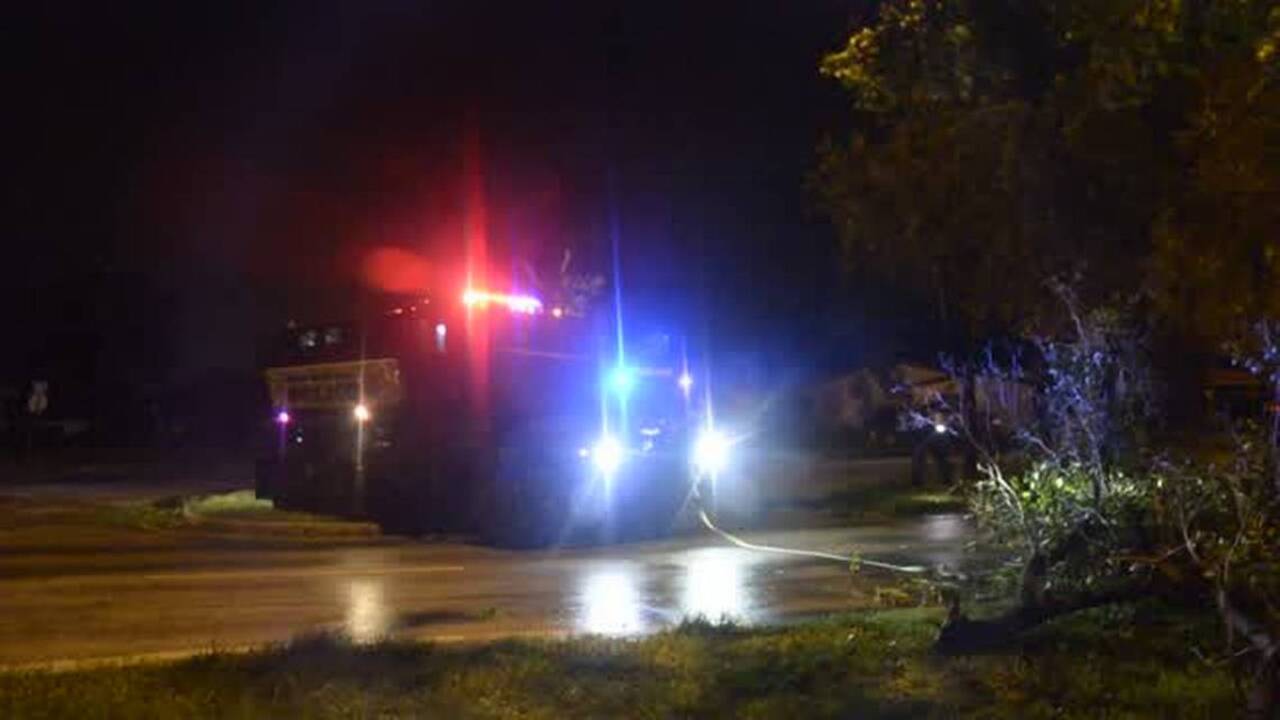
(71, 605)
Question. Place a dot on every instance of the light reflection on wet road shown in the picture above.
(626, 597)
(714, 586)
(610, 602)
(164, 601)
(368, 615)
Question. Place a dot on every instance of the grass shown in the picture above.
(237, 503)
(886, 503)
(232, 517)
(237, 509)
(915, 503)
(871, 665)
(242, 512)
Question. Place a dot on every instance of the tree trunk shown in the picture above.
(962, 636)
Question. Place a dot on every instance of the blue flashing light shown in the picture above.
(685, 381)
(622, 379)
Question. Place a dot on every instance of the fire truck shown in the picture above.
(520, 419)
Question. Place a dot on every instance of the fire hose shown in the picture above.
(849, 560)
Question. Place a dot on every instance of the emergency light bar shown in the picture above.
(526, 304)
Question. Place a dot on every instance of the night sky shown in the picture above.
(185, 176)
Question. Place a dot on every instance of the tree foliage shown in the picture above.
(1000, 143)
(1134, 145)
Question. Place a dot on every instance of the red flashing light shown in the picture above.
(526, 304)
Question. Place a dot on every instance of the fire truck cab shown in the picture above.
(492, 413)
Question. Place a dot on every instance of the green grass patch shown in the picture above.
(916, 503)
(178, 511)
(238, 514)
(242, 512)
(132, 516)
(886, 503)
(239, 503)
(870, 665)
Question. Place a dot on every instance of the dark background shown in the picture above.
(186, 177)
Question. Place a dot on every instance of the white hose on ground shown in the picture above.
(847, 560)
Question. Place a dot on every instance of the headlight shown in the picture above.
(607, 456)
(361, 413)
(710, 452)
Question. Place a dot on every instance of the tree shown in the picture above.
(958, 184)
(1215, 264)
(1002, 143)
(1132, 144)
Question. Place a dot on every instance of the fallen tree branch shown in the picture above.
(962, 636)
